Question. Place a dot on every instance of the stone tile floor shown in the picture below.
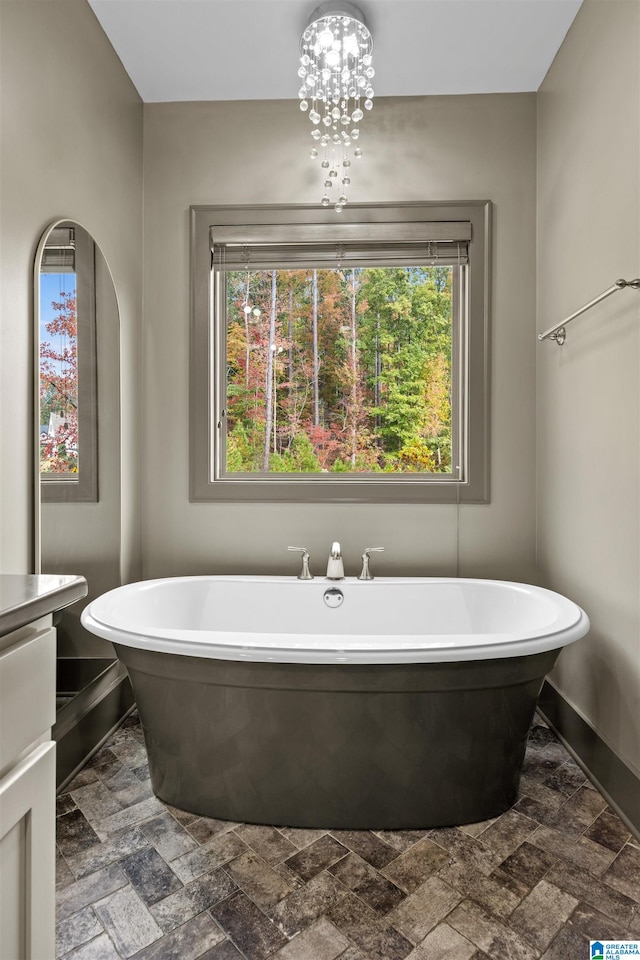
(137, 878)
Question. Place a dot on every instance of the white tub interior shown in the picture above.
(382, 621)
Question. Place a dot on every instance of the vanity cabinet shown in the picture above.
(27, 763)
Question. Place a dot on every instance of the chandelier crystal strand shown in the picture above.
(336, 70)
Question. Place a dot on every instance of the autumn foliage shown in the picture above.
(59, 389)
(339, 370)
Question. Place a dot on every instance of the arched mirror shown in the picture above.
(77, 338)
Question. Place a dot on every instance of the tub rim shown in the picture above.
(246, 647)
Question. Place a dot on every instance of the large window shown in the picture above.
(340, 358)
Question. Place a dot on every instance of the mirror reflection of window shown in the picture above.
(59, 356)
(67, 365)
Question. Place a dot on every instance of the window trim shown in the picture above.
(474, 358)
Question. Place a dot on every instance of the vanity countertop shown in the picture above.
(26, 597)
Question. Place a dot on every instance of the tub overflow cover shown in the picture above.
(333, 597)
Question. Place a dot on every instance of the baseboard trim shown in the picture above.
(85, 724)
(618, 784)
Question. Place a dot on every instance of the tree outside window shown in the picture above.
(59, 383)
(339, 371)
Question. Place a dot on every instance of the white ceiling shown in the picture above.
(248, 49)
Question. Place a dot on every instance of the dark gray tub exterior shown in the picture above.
(342, 746)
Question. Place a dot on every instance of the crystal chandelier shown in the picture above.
(336, 73)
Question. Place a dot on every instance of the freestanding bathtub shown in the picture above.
(405, 703)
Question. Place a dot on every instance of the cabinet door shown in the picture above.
(27, 857)
(27, 691)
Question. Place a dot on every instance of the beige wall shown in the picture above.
(434, 148)
(71, 146)
(588, 397)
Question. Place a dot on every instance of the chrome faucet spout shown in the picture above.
(335, 566)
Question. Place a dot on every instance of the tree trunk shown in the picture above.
(246, 334)
(290, 338)
(270, 367)
(354, 373)
(316, 365)
(377, 393)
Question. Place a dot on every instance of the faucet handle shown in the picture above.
(365, 574)
(305, 573)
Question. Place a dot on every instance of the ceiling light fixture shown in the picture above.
(336, 71)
